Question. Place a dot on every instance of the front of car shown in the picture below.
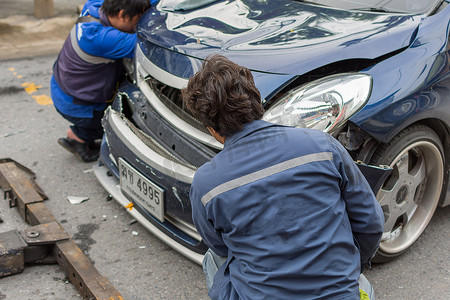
(329, 67)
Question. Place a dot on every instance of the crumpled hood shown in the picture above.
(277, 36)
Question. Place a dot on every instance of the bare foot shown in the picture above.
(71, 135)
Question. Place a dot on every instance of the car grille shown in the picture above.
(171, 97)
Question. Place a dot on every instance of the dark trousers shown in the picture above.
(87, 129)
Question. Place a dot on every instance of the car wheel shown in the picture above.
(409, 196)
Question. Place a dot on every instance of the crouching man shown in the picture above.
(285, 211)
(89, 68)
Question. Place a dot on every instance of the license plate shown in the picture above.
(141, 190)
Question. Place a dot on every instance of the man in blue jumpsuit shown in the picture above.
(89, 67)
(285, 211)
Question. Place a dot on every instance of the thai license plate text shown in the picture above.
(141, 190)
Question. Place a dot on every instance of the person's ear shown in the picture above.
(122, 16)
(221, 139)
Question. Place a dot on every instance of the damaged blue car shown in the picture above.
(374, 74)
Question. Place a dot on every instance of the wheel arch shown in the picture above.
(443, 132)
(376, 152)
(441, 129)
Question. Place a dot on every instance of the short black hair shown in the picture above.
(223, 96)
(131, 7)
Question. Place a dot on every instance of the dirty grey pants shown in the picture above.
(212, 262)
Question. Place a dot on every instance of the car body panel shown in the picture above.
(171, 43)
(267, 29)
(284, 43)
(405, 87)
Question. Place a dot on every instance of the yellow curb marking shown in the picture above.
(31, 87)
(43, 99)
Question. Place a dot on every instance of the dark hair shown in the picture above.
(131, 7)
(223, 95)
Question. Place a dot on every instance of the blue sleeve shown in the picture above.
(117, 44)
(364, 211)
(105, 41)
(205, 225)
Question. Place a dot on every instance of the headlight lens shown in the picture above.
(324, 104)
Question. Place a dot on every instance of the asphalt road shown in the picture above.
(140, 266)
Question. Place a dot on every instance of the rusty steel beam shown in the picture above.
(16, 183)
(12, 248)
(32, 245)
(17, 187)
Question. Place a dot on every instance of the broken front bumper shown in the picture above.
(111, 185)
(155, 160)
(122, 142)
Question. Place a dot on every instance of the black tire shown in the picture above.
(409, 196)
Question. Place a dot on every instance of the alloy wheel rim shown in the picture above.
(410, 195)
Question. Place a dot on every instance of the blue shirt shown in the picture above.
(79, 81)
(290, 210)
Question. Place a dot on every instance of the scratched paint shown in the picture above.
(175, 192)
(31, 88)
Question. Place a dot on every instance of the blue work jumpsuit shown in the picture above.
(88, 70)
(290, 210)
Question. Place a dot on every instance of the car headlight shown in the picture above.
(324, 104)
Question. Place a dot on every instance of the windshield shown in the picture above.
(397, 6)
